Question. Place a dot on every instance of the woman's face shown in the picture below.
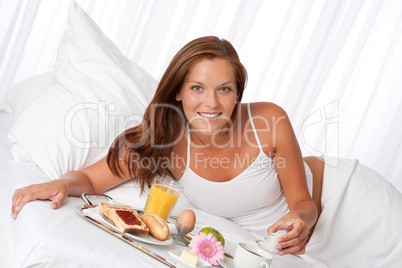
(208, 95)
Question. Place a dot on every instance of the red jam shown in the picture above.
(128, 217)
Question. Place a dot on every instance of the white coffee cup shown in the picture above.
(271, 240)
(251, 256)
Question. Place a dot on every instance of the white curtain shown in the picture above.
(334, 66)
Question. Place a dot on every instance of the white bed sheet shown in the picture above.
(5, 255)
(42, 237)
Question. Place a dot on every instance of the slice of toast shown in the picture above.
(124, 218)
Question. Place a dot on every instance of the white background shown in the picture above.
(334, 66)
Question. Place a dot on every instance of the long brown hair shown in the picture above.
(146, 147)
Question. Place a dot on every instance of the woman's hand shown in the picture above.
(56, 191)
(295, 239)
(97, 178)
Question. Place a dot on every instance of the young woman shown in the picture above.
(243, 158)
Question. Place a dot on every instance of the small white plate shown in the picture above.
(95, 214)
(176, 255)
(227, 263)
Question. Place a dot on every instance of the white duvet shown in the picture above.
(361, 220)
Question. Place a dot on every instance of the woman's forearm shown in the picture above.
(76, 183)
(307, 211)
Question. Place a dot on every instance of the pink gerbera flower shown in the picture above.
(208, 248)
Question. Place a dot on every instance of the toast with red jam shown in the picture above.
(124, 218)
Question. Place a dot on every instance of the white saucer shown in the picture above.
(227, 263)
(176, 254)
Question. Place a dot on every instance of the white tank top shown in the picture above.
(253, 199)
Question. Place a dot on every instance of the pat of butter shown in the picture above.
(189, 257)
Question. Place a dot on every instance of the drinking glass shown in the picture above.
(163, 197)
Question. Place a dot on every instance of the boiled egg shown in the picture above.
(187, 218)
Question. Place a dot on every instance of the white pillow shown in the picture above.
(24, 93)
(96, 93)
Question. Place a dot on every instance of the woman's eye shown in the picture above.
(196, 88)
(225, 89)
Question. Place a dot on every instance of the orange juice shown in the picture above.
(161, 201)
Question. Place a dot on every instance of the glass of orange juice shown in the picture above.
(162, 197)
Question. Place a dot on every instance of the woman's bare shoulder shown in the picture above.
(268, 119)
(268, 110)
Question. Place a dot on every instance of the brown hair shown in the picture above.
(163, 119)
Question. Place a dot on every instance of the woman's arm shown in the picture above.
(96, 178)
(289, 164)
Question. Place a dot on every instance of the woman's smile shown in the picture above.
(209, 116)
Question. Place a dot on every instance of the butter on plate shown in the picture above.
(190, 257)
(176, 254)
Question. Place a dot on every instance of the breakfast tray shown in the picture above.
(88, 205)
